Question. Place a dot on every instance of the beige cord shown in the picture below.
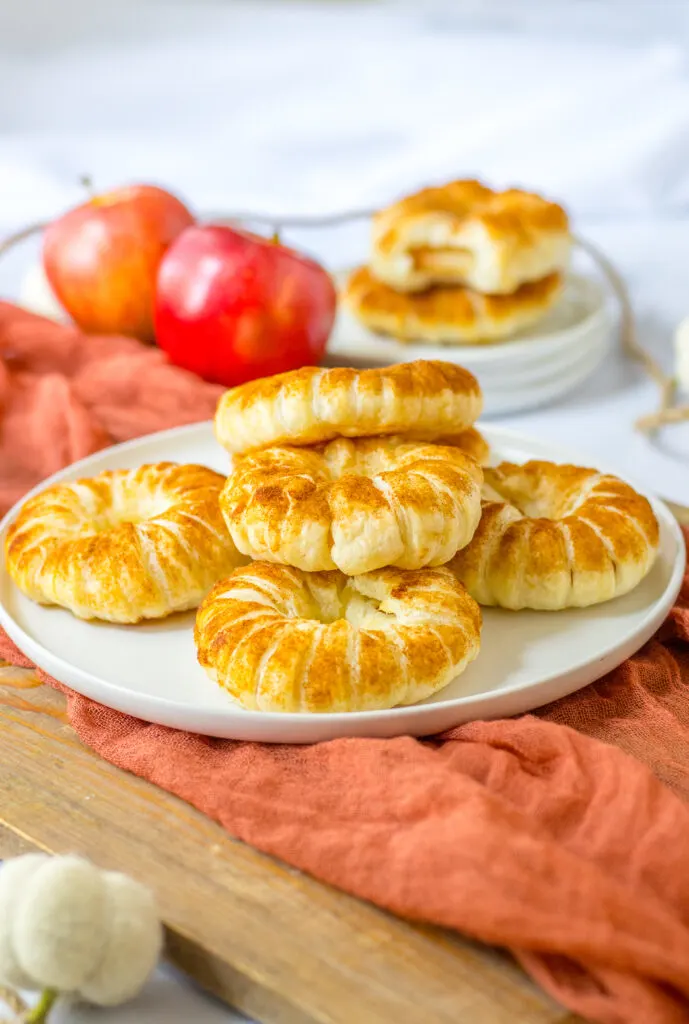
(667, 412)
(20, 236)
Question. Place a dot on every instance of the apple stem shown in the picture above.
(86, 182)
(275, 237)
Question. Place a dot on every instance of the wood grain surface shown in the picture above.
(266, 939)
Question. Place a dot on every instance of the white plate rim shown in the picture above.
(164, 710)
(502, 401)
(567, 375)
(504, 376)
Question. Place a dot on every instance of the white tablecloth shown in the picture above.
(167, 998)
(317, 107)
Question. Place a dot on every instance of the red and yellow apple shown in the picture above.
(232, 306)
(101, 258)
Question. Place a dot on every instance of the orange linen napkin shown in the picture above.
(540, 834)
(64, 395)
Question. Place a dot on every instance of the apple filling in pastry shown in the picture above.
(440, 262)
(466, 234)
(279, 639)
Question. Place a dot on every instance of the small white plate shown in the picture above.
(516, 396)
(527, 658)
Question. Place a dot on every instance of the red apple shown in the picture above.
(101, 259)
(232, 306)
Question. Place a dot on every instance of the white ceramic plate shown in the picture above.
(532, 372)
(512, 396)
(527, 658)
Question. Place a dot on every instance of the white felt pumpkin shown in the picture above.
(67, 925)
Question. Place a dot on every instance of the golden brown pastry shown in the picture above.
(451, 315)
(422, 398)
(354, 504)
(470, 441)
(278, 639)
(124, 545)
(463, 233)
(554, 537)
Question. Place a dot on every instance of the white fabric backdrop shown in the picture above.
(316, 107)
(307, 107)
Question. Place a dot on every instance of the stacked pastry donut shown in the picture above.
(350, 508)
(341, 564)
(461, 263)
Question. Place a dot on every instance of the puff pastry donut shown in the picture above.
(278, 639)
(445, 314)
(554, 537)
(463, 233)
(422, 398)
(354, 504)
(125, 545)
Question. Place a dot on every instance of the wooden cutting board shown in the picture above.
(266, 939)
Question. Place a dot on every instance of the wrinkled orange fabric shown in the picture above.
(64, 395)
(562, 836)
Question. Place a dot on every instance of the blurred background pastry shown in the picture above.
(464, 233)
(461, 264)
(445, 313)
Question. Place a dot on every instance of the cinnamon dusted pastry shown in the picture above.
(354, 504)
(470, 441)
(278, 639)
(124, 545)
(554, 537)
(445, 314)
(425, 398)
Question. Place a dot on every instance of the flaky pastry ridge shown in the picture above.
(420, 398)
(557, 536)
(354, 504)
(124, 545)
(278, 639)
(445, 314)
